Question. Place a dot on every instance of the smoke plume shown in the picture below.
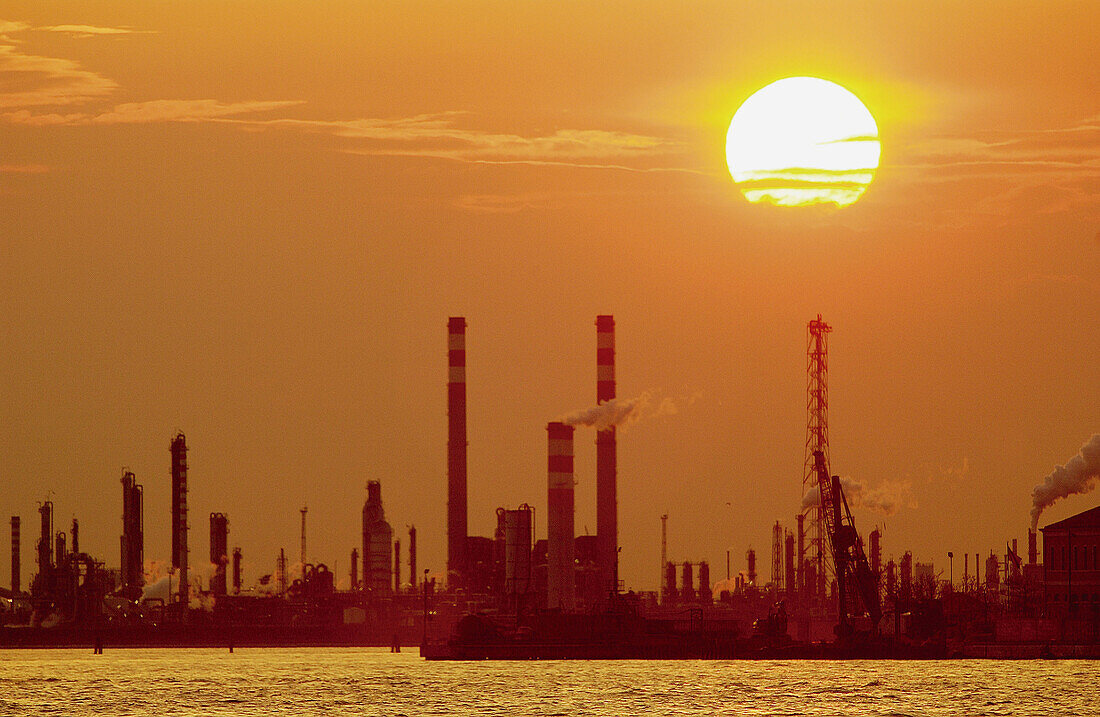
(1077, 476)
(622, 412)
(886, 498)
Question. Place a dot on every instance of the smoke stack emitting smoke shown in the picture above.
(1077, 476)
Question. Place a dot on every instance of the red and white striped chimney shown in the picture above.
(560, 581)
(607, 538)
(456, 450)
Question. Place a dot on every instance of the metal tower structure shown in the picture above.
(817, 440)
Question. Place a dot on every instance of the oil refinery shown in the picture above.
(828, 591)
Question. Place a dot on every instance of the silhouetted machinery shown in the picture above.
(856, 584)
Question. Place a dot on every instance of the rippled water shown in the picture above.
(373, 682)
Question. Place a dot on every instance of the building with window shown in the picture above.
(1072, 563)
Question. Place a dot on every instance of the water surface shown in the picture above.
(356, 681)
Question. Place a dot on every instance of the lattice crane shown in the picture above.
(855, 582)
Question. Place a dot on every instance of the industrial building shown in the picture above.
(1071, 575)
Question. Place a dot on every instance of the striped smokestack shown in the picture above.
(607, 538)
(560, 585)
(456, 450)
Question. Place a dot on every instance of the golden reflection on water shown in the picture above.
(353, 681)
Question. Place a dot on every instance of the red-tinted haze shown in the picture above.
(250, 221)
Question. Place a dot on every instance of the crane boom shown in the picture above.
(856, 584)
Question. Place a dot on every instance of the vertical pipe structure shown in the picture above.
(456, 450)
(59, 549)
(669, 584)
(305, 509)
(75, 533)
(517, 551)
(219, 551)
(354, 569)
(178, 449)
(704, 592)
(664, 553)
(412, 556)
(788, 566)
(280, 571)
(45, 539)
(16, 572)
(397, 566)
(800, 567)
(777, 557)
(236, 571)
(750, 558)
(687, 571)
(876, 560)
(607, 521)
(561, 580)
(377, 542)
(132, 540)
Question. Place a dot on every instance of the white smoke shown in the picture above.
(622, 412)
(161, 581)
(885, 498)
(1077, 476)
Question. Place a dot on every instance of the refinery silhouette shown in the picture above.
(515, 594)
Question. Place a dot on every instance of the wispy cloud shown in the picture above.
(439, 136)
(150, 112)
(1064, 149)
(29, 83)
(36, 81)
(89, 30)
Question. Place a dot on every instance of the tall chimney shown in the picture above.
(607, 538)
(561, 585)
(412, 556)
(75, 537)
(178, 450)
(15, 568)
(1032, 548)
(456, 450)
(354, 569)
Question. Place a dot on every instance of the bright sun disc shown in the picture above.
(802, 141)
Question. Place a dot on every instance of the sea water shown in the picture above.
(356, 681)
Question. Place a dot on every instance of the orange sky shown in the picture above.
(251, 220)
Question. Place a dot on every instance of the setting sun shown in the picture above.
(802, 141)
